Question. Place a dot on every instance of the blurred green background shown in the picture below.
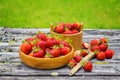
(95, 14)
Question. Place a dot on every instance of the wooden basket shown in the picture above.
(46, 63)
(76, 39)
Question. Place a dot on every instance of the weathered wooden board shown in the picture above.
(12, 68)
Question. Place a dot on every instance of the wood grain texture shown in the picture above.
(12, 68)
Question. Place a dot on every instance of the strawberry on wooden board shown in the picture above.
(65, 50)
(85, 45)
(77, 53)
(109, 53)
(101, 55)
(77, 58)
(84, 52)
(88, 66)
(72, 63)
(26, 48)
(39, 54)
(94, 42)
(103, 47)
(95, 48)
(103, 40)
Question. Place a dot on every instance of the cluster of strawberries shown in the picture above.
(42, 46)
(68, 28)
(100, 47)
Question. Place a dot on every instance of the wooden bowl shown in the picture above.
(76, 39)
(46, 63)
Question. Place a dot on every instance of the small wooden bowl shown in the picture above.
(46, 63)
(75, 38)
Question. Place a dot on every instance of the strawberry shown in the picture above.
(39, 54)
(101, 55)
(77, 58)
(109, 53)
(88, 66)
(55, 52)
(67, 32)
(29, 39)
(76, 25)
(59, 28)
(72, 63)
(64, 43)
(103, 47)
(85, 45)
(94, 42)
(49, 43)
(42, 36)
(77, 53)
(103, 40)
(68, 25)
(95, 48)
(74, 31)
(65, 50)
(26, 48)
(30, 54)
(41, 44)
(84, 53)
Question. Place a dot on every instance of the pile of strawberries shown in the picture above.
(100, 47)
(67, 28)
(42, 46)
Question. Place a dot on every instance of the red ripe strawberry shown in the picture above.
(41, 44)
(94, 42)
(103, 47)
(85, 45)
(84, 53)
(109, 54)
(77, 58)
(76, 25)
(65, 50)
(72, 63)
(88, 66)
(95, 48)
(55, 52)
(42, 36)
(39, 54)
(75, 31)
(64, 43)
(26, 48)
(29, 39)
(67, 32)
(49, 43)
(68, 25)
(101, 55)
(103, 40)
(59, 29)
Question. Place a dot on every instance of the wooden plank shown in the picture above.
(60, 78)
(10, 64)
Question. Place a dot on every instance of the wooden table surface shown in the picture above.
(11, 67)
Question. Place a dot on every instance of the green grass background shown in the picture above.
(95, 14)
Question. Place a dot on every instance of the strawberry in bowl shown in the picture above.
(44, 52)
(71, 31)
